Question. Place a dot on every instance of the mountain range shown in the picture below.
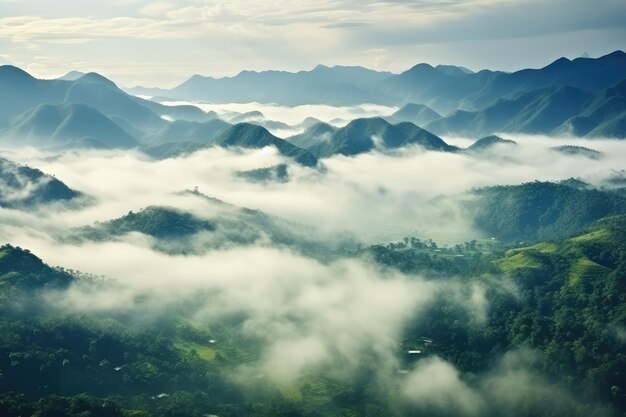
(23, 93)
(559, 110)
(580, 97)
(443, 88)
(322, 85)
(364, 135)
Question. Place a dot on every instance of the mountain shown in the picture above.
(541, 210)
(453, 70)
(489, 142)
(72, 75)
(582, 73)
(23, 187)
(23, 274)
(276, 173)
(97, 91)
(225, 225)
(154, 221)
(312, 135)
(552, 110)
(364, 135)
(439, 89)
(182, 112)
(247, 117)
(321, 85)
(21, 92)
(417, 114)
(446, 91)
(65, 125)
(246, 135)
(172, 149)
(578, 150)
(181, 131)
(443, 88)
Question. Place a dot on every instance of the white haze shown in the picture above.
(307, 313)
(375, 196)
(294, 115)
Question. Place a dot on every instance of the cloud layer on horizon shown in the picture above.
(166, 41)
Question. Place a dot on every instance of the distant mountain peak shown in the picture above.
(559, 63)
(94, 77)
(251, 136)
(421, 67)
(73, 75)
(14, 71)
(489, 142)
(249, 127)
(453, 70)
(319, 67)
(615, 54)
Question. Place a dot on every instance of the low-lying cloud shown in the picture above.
(305, 313)
(514, 386)
(375, 196)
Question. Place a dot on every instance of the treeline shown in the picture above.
(565, 298)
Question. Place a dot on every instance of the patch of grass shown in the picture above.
(586, 269)
(206, 353)
(595, 236)
(191, 323)
(290, 390)
(518, 261)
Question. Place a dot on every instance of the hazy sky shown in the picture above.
(164, 42)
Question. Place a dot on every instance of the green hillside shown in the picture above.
(25, 188)
(541, 210)
(363, 135)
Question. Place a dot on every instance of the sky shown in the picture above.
(162, 43)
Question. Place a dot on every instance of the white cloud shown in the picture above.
(158, 8)
(223, 37)
(306, 314)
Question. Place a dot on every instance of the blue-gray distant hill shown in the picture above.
(364, 135)
(25, 188)
(551, 111)
(181, 131)
(489, 142)
(72, 75)
(28, 105)
(241, 135)
(322, 85)
(443, 88)
(65, 126)
(573, 150)
(418, 114)
(446, 91)
(245, 135)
